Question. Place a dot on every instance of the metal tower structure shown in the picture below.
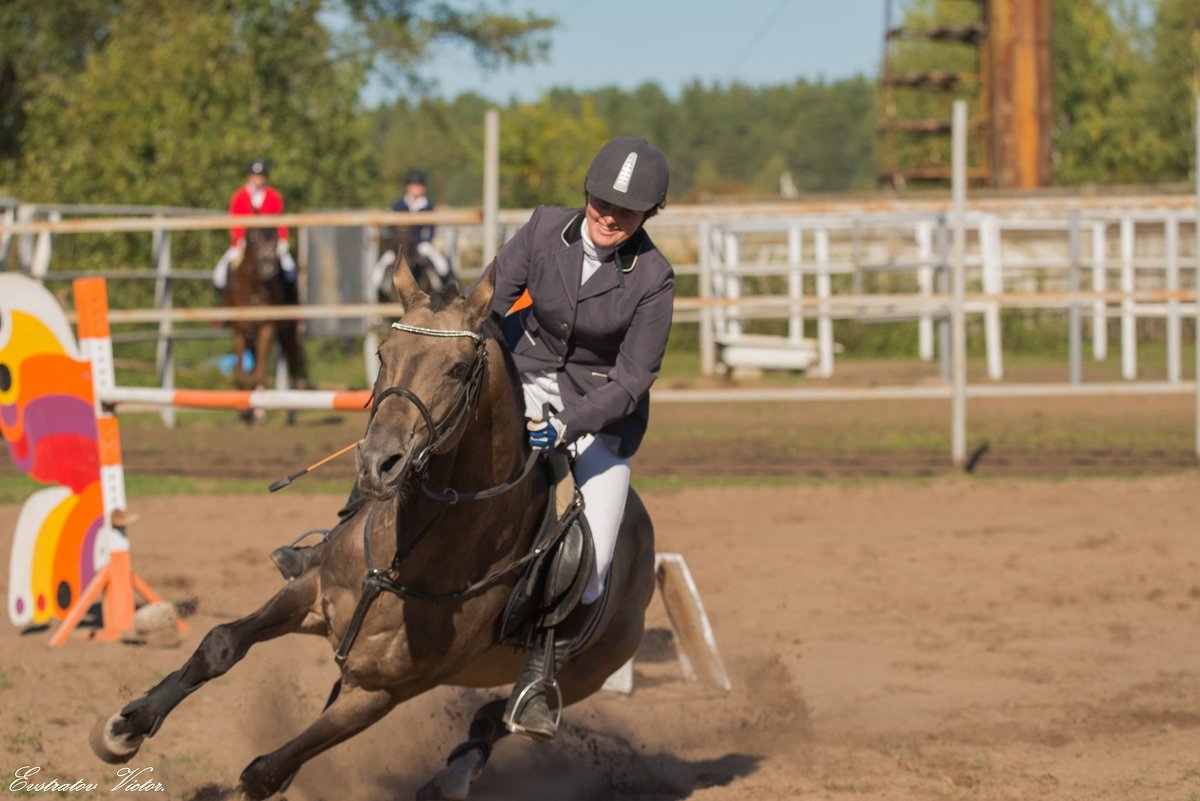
(996, 54)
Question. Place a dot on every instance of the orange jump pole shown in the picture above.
(116, 586)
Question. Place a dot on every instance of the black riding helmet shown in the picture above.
(414, 177)
(258, 166)
(629, 172)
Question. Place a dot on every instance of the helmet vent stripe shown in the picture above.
(626, 173)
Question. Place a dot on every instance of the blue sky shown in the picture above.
(671, 42)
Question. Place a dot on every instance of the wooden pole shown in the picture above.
(1074, 312)
(491, 185)
(958, 312)
(218, 222)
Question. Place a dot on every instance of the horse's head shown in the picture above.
(431, 370)
(260, 251)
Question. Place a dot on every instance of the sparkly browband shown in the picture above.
(434, 332)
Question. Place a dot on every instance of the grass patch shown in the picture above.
(17, 489)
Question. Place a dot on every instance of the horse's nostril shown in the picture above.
(388, 464)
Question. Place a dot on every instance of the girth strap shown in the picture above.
(372, 586)
(376, 580)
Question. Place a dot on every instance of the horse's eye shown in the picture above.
(459, 371)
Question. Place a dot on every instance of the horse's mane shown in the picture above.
(491, 330)
(441, 298)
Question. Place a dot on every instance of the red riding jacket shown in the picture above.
(241, 203)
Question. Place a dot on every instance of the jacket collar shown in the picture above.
(627, 254)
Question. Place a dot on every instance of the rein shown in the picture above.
(376, 579)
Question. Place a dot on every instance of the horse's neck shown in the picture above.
(491, 448)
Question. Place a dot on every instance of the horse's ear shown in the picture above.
(479, 299)
(406, 285)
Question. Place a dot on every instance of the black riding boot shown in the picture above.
(528, 711)
(292, 560)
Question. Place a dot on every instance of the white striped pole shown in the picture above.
(237, 400)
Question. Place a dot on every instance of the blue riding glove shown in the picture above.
(544, 435)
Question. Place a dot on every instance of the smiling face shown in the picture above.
(609, 225)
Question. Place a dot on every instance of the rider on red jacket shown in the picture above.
(255, 197)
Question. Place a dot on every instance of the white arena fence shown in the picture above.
(1094, 259)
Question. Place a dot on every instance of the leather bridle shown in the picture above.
(462, 404)
(378, 580)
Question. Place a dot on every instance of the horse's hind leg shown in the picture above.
(466, 761)
(240, 378)
(350, 711)
(118, 738)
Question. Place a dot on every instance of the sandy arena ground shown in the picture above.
(907, 639)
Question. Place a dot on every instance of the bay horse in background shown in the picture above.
(452, 507)
(258, 280)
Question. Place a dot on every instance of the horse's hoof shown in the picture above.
(453, 782)
(257, 783)
(434, 791)
(110, 746)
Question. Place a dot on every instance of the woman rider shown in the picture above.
(590, 346)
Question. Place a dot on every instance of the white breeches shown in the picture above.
(602, 476)
(439, 262)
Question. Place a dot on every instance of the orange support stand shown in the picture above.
(114, 586)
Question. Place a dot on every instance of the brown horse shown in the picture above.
(446, 424)
(257, 280)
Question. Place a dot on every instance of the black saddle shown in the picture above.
(554, 580)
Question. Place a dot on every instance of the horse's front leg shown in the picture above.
(466, 761)
(240, 378)
(292, 609)
(293, 351)
(264, 342)
(351, 710)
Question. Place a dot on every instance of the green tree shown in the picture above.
(171, 108)
(159, 101)
(1102, 106)
(544, 154)
(40, 42)
(1174, 82)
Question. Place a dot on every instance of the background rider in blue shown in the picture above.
(418, 239)
(590, 346)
